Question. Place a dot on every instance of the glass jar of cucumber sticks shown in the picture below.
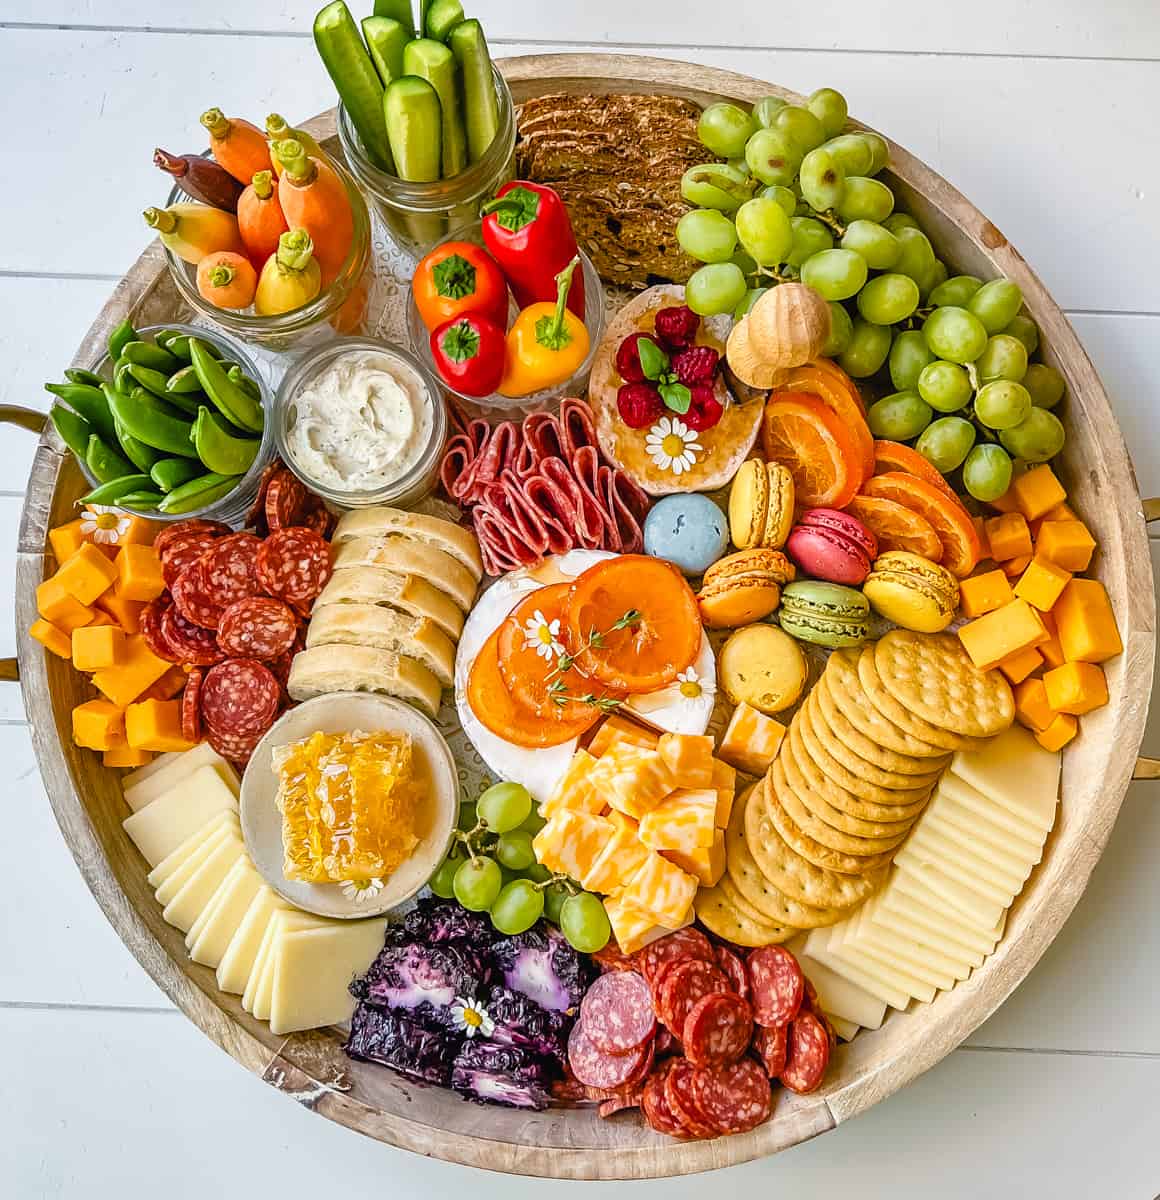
(418, 215)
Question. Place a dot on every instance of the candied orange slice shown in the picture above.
(837, 391)
(652, 649)
(807, 437)
(897, 527)
(897, 456)
(952, 523)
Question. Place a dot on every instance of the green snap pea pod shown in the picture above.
(155, 429)
(150, 379)
(141, 456)
(178, 345)
(122, 380)
(183, 380)
(89, 402)
(156, 404)
(113, 491)
(197, 493)
(175, 402)
(233, 402)
(219, 449)
(80, 375)
(120, 338)
(169, 473)
(105, 463)
(145, 499)
(146, 354)
(74, 430)
(238, 376)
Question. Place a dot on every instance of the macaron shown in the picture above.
(688, 530)
(743, 587)
(826, 614)
(912, 591)
(761, 503)
(761, 666)
(832, 545)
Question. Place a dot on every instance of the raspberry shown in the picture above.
(676, 326)
(628, 359)
(697, 364)
(639, 404)
(705, 409)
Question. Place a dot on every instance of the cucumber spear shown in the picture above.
(432, 61)
(480, 107)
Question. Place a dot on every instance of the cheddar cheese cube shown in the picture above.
(1067, 544)
(172, 682)
(126, 756)
(86, 574)
(126, 612)
(1014, 567)
(1021, 664)
(689, 758)
(706, 864)
(992, 638)
(1006, 503)
(684, 820)
(139, 573)
(51, 638)
(725, 784)
(98, 725)
(632, 927)
(66, 540)
(751, 740)
(663, 890)
(1062, 729)
(59, 606)
(1085, 622)
(984, 593)
(575, 788)
(100, 617)
(638, 780)
(1042, 583)
(617, 729)
(623, 855)
(571, 842)
(1031, 707)
(1076, 688)
(96, 646)
(1037, 491)
(1008, 536)
(156, 725)
(1051, 650)
(140, 668)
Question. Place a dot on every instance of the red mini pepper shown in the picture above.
(527, 230)
(469, 353)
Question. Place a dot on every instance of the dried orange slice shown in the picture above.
(827, 366)
(661, 640)
(960, 541)
(897, 527)
(807, 437)
(838, 392)
(897, 456)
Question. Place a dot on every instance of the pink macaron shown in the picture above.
(832, 545)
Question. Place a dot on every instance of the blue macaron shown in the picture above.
(688, 530)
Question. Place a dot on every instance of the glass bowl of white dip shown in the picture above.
(361, 421)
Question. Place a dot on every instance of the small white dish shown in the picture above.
(344, 712)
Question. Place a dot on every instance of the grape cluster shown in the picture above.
(491, 867)
(797, 198)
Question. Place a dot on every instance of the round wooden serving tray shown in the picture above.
(576, 1144)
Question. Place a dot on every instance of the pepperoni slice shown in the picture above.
(617, 1012)
(615, 1104)
(655, 1106)
(808, 1054)
(257, 627)
(194, 645)
(234, 747)
(596, 1068)
(684, 943)
(682, 1102)
(717, 1030)
(612, 958)
(191, 706)
(733, 1099)
(256, 516)
(193, 598)
(180, 529)
(318, 517)
(682, 987)
(230, 568)
(285, 500)
(293, 564)
(733, 968)
(777, 983)
(771, 1046)
(150, 624)
(240, 697)
(184, 551)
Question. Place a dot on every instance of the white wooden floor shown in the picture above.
(1043, 112)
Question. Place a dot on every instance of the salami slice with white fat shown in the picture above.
(684, 943)
(293, 564)
(655, 1106)
(682, 986)
(184, 551)
(191, 706)
(285, 500)
(777, 985)
(733, 1099)
(257, 627)
(240, 697)
(193, 598)
(181, 529)
(771, 1046)
(150, 625)
(807, 1055)
(733, 967)
(683, 1104)
(191, 645)
(230, 568)
(718, 1030)
(597, 1068)
(617, 1012)
(237, 748)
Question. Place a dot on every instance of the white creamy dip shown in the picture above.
(361, 423)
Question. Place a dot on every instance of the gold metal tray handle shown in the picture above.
(26, 418)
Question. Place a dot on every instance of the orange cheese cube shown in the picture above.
(140, 668)
(638, 780)
(1061, 512)
(51, 638)
(86, 574)
(100, 617)
(572, 841)
(1008, 536)
(126, 756)
(725, 783)
(141, 532)
(172, 682)
(98, 725)
(1037, 491)
(575, 788)
(751, 740)
(156, 725)
(1019, 665)
(684, 820)
(1042, 583)
(1014, 567)
(984, 593)
(1051, 650)
(632, 927)
(1067, 544)
(705, 864)
(1062, 729)
(139, 573)
(617, 729)
(59, 606)
(66, 540)
(1076, 688)
(1085, 622)
(1031, 707)
(661, 889)
(97, 646)
(980, 525)
(126, 612)
(689, 758)
(999, 634)
(1006, 503)
(623, 855)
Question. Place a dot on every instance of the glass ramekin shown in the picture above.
(340, 307)
(408, 489)
(232, 507)
(418, 215)
(496, 408)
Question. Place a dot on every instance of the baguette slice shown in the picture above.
(372, 585)
(325, 669)
(385, 629)
(393, 552)
(452, 539)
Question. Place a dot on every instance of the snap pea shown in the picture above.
(183, 380)
(105, 463)
(141, 456)
(233, 402)
(115, 489)
(198, 493)
(146, 499)
(156, 429)
(74, 430)
(89, 402)
(150, 379)
(120, 338)
(219, 449)
(177, 344)
(169, 473)
(122, 380)
(156, 404)
(238, 376)
(80, 375)
(146, 354)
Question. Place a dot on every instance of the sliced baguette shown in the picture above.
(335, 668)
(452, 539)
(373, 585)
(385, 629)
(396, 553)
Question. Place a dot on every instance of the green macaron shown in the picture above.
(826, 614)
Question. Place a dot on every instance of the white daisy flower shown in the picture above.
(685, 691)
(471, 1017)
(361, 890)
(672, 445)
(104, 523)
(543, 636)
(692, 686)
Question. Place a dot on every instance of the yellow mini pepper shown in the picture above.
(546, 344)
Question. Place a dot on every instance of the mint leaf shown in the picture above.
(653, 360)
(676, 396)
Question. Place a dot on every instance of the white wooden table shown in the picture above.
(1043, 113)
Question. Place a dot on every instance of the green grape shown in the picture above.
(996, 303)
(877, 245)
(1045, 385)
(888, 299)
(987, 472)
(830, 108)
(899, 417)
(468, 815)
(899, 221)
(764, 230)
(946, 442)
(879, 151)
(955, 334)
(533, 822)
(1037, 438)
(584, 923)
(931, 279)
(739, 164)
(773, 157)
(867, 351)
(745, 262)
(1005, 357)
(955, 291)
(852, 152)
(717, 288)
(908, 356)
(554, 898)
(865, 199)
(945, 386)
(504, 806)
(442, 881)
(716, 185)
(538, 873)
(766, 109)
(810, 237)
(749, 300)
(800, 126)
(477, 883)
(518, 907)
(822, 179)
(783, 195)
(514, 850)
(724, 129)
(1002, 404)
(707, 235)
(835, 274)
(1025, 329)
(916, 258)
(841, 330)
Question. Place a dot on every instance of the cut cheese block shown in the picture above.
(982, 824)
(1017, 773)
(977, 871)
(841, 998)
(978, 911)
(312, 972)
(893, 974)
(214, 931)
(229, 832)
(161, 826)
(180, 766)
(174, 860)
(238, 960)
(186, 906)
(260, 985)
(817, 948)
(844, 1029)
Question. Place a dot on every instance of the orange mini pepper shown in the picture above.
(546, 344)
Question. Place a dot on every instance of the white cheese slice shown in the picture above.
(848, 949)
(936, 936)
(238, 960)
(312, 972)
(946, 959)
(974, 908)
(198, 890)
(841, 998)
(215, 929)
(844, 1029)
(910, 897)
(983, 806)
(934, 844)
(984, 827)
(180, 766)
(1016, 772)
(817, 948)
(670, 709)
(260, 985)
(173, 861)
(158, 763)
(229, 832)
(1015, 863)
(920, 857)
(166, 822)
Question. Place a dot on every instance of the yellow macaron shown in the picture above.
(743, 587)
(762, 666)
(912, 591)
(761, 502)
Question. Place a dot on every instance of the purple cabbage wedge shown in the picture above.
(433, 921)
(385, 1037)
(423, 980)
(489, 1073)
(522, 1022)
(542, 966)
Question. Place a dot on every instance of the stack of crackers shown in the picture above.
(813, 840)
